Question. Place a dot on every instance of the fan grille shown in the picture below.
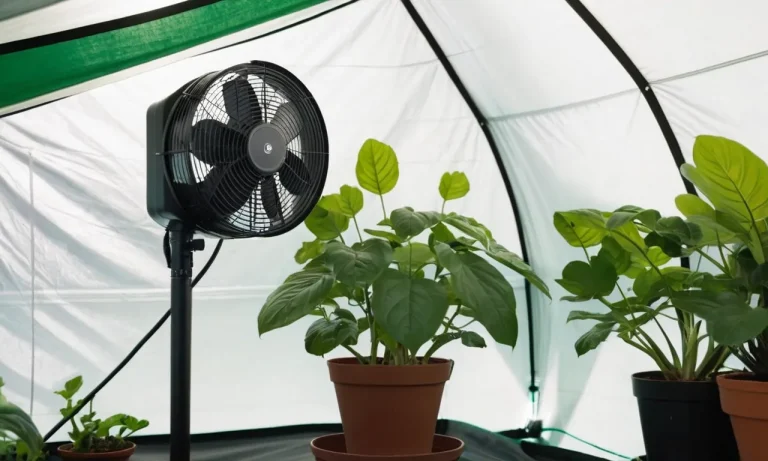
(220, 177)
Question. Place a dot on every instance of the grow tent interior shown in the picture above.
(565, 104)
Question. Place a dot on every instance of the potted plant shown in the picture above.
(19, 437)
(407, 281)
(92, 439)
(678, 402)
(734, 302)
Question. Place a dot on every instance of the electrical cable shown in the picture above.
(564, 432)
(135, 350)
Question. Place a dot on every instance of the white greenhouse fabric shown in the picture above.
(100, 281)
(80, 256)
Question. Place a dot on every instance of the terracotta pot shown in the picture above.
(744, 396)
(682, 420)
(65, 453)
(389, 410)
(333, 448)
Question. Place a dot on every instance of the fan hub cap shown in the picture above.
(266, 148)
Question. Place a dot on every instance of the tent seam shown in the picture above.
(482, 121)
(712, 68)
(32, 276)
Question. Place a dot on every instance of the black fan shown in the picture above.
(232, 154)
(243, 153)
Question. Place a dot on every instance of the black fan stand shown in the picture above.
(182, 245)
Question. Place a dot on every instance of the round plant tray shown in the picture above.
(332, 448)
(66, 454)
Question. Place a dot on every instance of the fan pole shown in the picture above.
(182, 246)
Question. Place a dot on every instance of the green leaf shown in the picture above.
(326, 225)
(71, 387)
(350, 200)
(361, 264)
(581, 227)
(732, 177)
(15, 421)
(408, 223)
(730, 320)
(657, 256)
(442, 233)
(470, 227)
(377, 167)
(472, 339)
(296, 297)
(484, 289)
(589, 281)
(309, 250)
(410, 310)
(384, 234)
(630, 213)
(586, 315)
(593, 338)
(385, 338)
(693, 205)
(105, 426)
(453, 300)
(516, 263)
(679, 231)
(667, 245)
(454, 185)
(611, 251)
(324, 335)
(412, 256)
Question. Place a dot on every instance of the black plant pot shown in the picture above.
(682, 420)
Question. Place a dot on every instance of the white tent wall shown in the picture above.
(84, 260)
(576, 132)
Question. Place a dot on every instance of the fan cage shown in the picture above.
(229, 197)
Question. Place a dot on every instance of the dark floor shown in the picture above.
(292, 444)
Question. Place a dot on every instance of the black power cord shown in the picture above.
(138, 346)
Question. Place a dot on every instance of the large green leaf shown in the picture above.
(730, 320)
(348, 202)
(611, 251)
(412, 256)
(593, 338)
(630, 213)
(71, 387)
(385, 235)
(586, 315)
(484, 289)
(324, 335)
(589, 280)
(732, 177)
(470, 227)
(511, 260)
(453, 185)
(680, 231)
(15, 421)
(325, 224)
(295, 298)
(701, 213)
(410, 310)
(408, 223)
(377, 167)
(360, 264)
(309, 250)
(581, 227)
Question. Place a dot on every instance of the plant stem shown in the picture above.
(466, 324)
(357, 355)
(442, 208)
(381, 198)
(713, 260)
(372, 326)
(450, 321)
(359, 235)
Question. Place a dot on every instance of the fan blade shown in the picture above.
(215, 143)
(288, 120)
(229, 187)
(242, 104)
(270, 198)
(294, 174)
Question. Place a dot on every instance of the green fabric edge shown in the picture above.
(39, 71)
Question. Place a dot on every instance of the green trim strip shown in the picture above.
(38, 71)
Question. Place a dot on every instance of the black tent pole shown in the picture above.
(182, 246)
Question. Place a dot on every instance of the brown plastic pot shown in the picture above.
(65, 453)
(333, 448)
(389, 410)
(744, 396)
